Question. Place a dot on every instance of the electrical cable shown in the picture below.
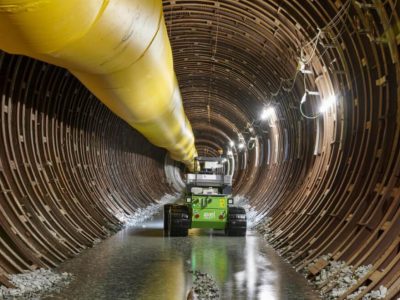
(336, 20)
(305, 116)
(304, 101)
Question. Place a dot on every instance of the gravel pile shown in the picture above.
(263, 228)
(376, 294)
(33, 284)
(338, 277)
(205, 287)
(143, 214)
(272, 238)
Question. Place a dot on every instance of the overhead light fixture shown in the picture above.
(264, 115)
(232, 143)
(267, 113)
(229, 153)
(241, 145)
(327, 103)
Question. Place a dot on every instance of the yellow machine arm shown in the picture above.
(119, 49)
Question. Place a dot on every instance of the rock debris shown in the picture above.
(333, 280)
(32, 285)
(338, 277)
(204, 287)
(375, 294)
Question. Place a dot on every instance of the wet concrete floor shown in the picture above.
(140, 263)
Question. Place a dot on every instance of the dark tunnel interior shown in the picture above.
(326, 174)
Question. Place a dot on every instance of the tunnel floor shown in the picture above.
(139, 263)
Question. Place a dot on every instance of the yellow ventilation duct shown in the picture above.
(118, 49)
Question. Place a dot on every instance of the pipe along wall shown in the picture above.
(329, 185)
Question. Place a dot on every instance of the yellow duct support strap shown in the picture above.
(118, 49)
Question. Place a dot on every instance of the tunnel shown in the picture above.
(304, 95)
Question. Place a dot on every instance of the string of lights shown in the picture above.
(307, 52)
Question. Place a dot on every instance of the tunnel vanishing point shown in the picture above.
(304, 95)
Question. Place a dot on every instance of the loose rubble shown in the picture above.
(205, 287)
(335, 279)
(143, 214)
(264, 230)
(33, 284)
(338, 277)
(376, 294)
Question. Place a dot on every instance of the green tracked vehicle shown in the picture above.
(208, 202)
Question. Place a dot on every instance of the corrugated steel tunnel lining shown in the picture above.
(69, 166)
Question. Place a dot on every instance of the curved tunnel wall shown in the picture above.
(329, 185)
(69, 167)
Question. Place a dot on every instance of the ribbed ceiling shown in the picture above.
(330, 184)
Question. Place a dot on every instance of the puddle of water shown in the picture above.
(139, 263)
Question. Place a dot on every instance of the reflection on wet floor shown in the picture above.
(139, 263)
